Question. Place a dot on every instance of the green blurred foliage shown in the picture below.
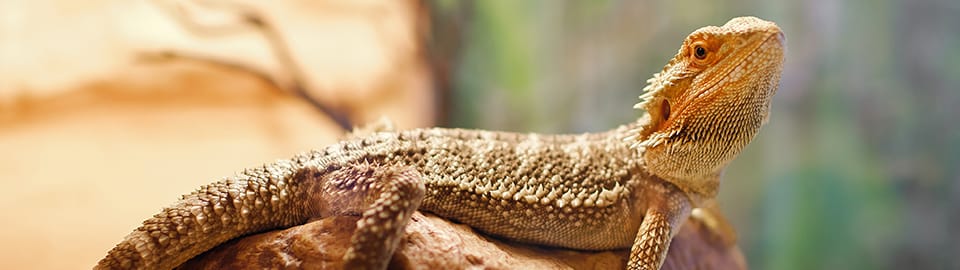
(858, 167)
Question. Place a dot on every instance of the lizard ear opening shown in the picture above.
(665, 109)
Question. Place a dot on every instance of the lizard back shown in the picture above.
(525, 187)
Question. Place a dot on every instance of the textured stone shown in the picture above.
(431, 242)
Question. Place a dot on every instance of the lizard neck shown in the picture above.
(698, 189)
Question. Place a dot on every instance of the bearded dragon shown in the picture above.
(626, 188)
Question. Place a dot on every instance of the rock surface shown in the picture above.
(435, 243)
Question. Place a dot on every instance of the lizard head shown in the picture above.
(709, 101)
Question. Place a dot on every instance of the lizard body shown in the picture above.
(629, 187)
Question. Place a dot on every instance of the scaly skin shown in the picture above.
(630, 187)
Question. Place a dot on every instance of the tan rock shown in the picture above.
(435, 243)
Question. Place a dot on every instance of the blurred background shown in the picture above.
(109, 110)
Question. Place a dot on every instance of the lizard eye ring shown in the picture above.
(699, 52)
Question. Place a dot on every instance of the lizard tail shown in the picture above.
(253, 201)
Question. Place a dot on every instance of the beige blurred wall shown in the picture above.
(94, 139)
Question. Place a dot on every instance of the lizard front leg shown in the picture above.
(384, 197)
(661, 222)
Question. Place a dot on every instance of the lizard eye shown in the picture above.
(700, 52)
(665, 109)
